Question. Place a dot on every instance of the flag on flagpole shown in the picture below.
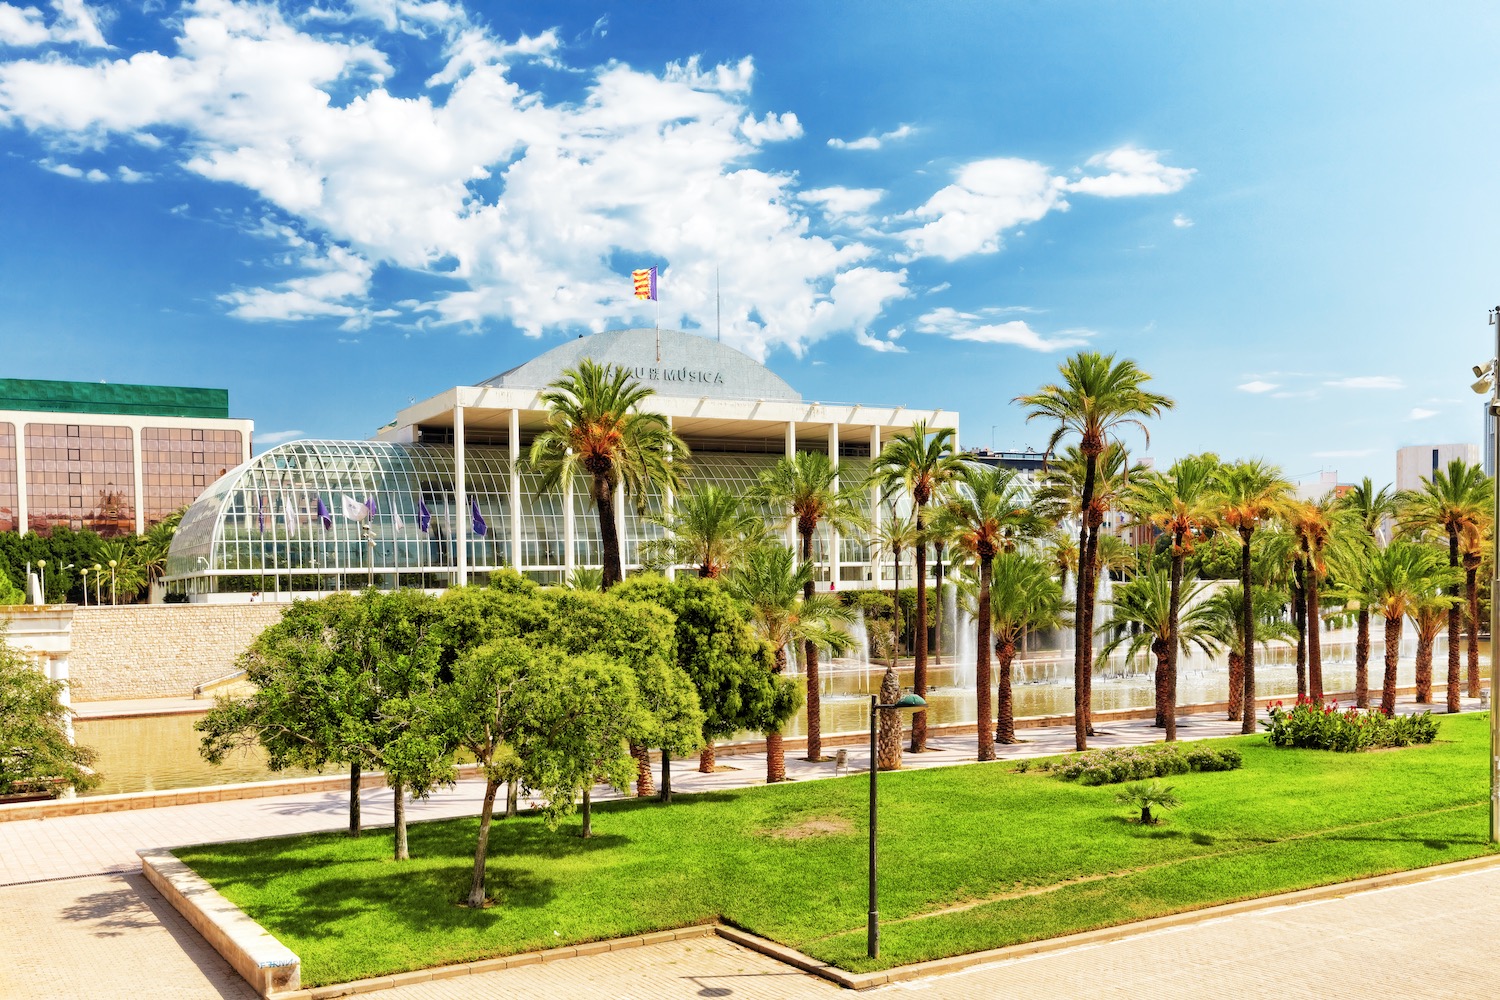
(645, 283)
(289, 516)
(260, 513)
(396, 521)
(355, 511)
(480, 528)
(424, 516)
(324, 514)
(371, 506)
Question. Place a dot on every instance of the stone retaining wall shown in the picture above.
(160, 650)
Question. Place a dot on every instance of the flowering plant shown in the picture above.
(1315, 726)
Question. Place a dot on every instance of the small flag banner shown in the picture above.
(324, 514)
(355, 511)
(289, 516)
(480, 528)
(424, 516)
(645, 283)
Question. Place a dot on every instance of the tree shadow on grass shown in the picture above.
(1431, 843)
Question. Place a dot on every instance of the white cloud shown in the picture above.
(771, 128)
(873, 141)
(73, 21)
(1257, 386)
(1417, 413)
(842, 204)
(942, 286)
(956, 325)
(339, 281)
(1130, 171)
(1345, 453)
(277, 437)
(66, 169)
(1181, 221)
(986, 198)
(876, 344)
(131, 176)
(1366, 382)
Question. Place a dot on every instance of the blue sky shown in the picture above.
(1285, 212)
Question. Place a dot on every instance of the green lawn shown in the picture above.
(1026, 856)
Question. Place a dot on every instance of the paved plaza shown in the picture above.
(79, 920)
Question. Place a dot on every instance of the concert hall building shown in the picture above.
(314, 516)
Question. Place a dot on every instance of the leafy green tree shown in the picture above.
(595, 428)
(36, 754)
(921, 463)
(769, 582)
(732, 670)
(988, 513)
(805, 490)
(1095, 398)
(709, 527)
(1143, 618)
(1249, 494)
(1456, 504)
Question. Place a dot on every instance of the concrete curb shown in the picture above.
(265, 963)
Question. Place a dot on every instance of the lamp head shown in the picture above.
(911, 701)
(1482, 386)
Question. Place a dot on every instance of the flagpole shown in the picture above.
(718, 310)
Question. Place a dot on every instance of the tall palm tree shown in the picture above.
(1476, 545)
(1429, 617)
(1403, 576)
(1181, 505)
(1061, 552)
(896, 534)
(1143, 618)
(1249, 494)
(806, 490)
(769, 582)
(1455, 502)
(595, 428)
(1313, 524)
(987, 514)
(709, 527)
(1023, 597)
(920, 462)
(1224, 619)
(1370, 509)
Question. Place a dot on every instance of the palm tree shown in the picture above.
(921, 462)
(1180, 504)
(1403, 576)
(1455, 502)
(709, 527)
(1096, 397)
(1061, 551)
(805, 490)
(1143, 618)
(1224, 619)
(896, 534)
(595, 428)
(1369, 508)
(1475, 546)
(986, 515)
(1023, 597)
(1429, 617)
(1313, 524)
(1249, 494)
(769, 582)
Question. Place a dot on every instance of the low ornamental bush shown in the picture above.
(1312, 726)
(1158, 760)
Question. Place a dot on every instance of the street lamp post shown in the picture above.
(112, 564)
(1489, 381)
(41, 565)
(98, 572)
(872, 932)
(85, 572)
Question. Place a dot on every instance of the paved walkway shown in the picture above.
(78, 921)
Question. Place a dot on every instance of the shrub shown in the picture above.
(1310, 726)
(1147, 797)
(1116, 765)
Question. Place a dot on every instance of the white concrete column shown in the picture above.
(460, 497)
(669, 503)
(620, 526)
(138, 468)
(875, 514)
(23, 511)
(570, 557)
(791, 453)
(515, 489)
(835, 557)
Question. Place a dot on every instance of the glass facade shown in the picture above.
(9, 486)
(178, 464)
(80, 476)
(258, 529)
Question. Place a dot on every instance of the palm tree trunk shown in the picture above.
(398, 806)
(609, 538)
(1090, 602)
(1299, 619)
(482, 845)
(645, 785)
(1083, 636)
(588, 813)
(1425, 641)
(1236, 685)
(1314, 637)
(354, 798)
(1392, 655)
(1164, 711)
(775, 757)
(1471, 586)
(982, 661)
(1455, 615)
(888, 742)
(1362, 660)
(810, 656)
(1005, 714)
(706, 761)
(919, 630)
(1174, 617)
(1247, 705)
